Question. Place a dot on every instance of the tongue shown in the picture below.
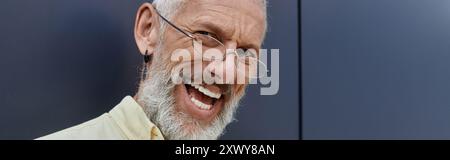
(199, 95)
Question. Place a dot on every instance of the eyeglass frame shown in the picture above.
(190, 35)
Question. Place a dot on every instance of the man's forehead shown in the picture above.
(247, 16)
(248, 7)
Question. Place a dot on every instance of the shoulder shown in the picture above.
(102, 127)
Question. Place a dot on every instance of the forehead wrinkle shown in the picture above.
(214, 23)
(245, 30)
(245, 22)
(242, 20)
(244, 25)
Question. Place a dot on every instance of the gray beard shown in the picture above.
(157, 96)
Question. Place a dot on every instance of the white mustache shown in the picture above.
(197, 78)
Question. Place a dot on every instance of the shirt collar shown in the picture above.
(133, 121)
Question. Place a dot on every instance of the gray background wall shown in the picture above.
(376, 69)
(63, 62)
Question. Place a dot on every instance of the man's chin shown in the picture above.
(170, 108)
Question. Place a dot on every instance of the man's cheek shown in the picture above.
(239, 89)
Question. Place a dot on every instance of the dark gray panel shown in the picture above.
(376, 69)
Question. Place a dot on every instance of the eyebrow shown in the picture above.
(223, 33)
(213, 27)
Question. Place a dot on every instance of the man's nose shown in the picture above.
(225, 70)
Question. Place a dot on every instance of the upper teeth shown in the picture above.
(206, 91)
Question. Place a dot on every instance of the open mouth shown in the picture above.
(202, 102)
(203, 97)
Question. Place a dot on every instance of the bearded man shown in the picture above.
(165, 109)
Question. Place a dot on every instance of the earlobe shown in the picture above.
(147, 57)
(146, 29)
(147, 60)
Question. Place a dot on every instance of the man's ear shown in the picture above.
(146, 28)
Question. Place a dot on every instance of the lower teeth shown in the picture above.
(200, 104)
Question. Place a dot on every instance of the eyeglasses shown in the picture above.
(247, 59)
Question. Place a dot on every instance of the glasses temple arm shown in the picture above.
(174, 26)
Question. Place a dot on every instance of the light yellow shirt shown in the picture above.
(126, 121)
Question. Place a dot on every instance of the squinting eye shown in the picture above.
(205, 33)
